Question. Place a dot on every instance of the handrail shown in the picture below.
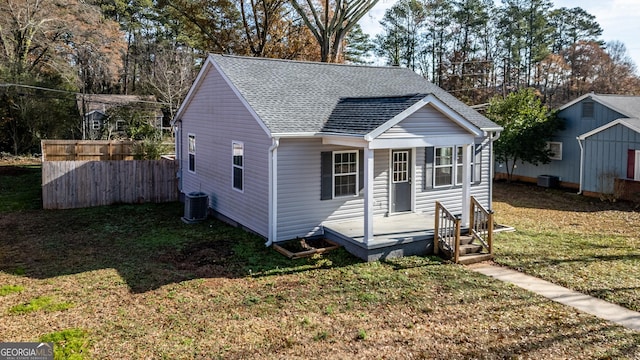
(481, 225)
(447, 232)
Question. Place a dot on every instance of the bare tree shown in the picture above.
(330, 21)
(171, 76)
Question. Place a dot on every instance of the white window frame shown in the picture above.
(95, 124)
(334, 175)
(555, 155)
(452, 165)
(191, 151)
(460, 165)
(403, 174)
(234, 166)
(120, 125)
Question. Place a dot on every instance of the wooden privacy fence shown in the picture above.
(74, 150)
(76, 184)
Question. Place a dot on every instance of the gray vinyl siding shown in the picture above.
(568, 169)
(217, 117)
(451, 198)
(301, 212)
(605, 157)
(425, 121)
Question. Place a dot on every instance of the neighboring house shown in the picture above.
(598, 152)
(94, 108)
(286, 148)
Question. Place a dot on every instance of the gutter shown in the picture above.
(581, 164)
(273, 191)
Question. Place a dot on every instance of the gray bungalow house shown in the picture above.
(598, 152)
(94, 107)
(293, 149)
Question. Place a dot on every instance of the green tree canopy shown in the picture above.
(528, 125)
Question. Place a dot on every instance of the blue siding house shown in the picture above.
(290, 149)
(598, 152)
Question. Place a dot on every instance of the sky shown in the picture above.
(619, 19)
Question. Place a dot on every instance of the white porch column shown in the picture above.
(466, 182)
(368, 195)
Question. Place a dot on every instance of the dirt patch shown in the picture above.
(208, 259)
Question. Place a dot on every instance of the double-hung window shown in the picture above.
(192, 153)
(238, 165)
(444, 166)
(345, 173)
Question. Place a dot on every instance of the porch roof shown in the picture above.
(362, 115)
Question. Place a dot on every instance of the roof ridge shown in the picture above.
(308, 62)
(617, 95)
(410, 95)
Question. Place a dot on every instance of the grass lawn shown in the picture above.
(133, 281)
(582, 243)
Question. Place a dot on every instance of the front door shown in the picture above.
(400, 181)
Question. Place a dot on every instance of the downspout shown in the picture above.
(178, 145)
(581, 164)
(273, 191)
(494, 136)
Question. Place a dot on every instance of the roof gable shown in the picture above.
(633, 124)
(626, 105)
(423, 101)
(292, 97)
(88, 103)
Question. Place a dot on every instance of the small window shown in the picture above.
(444, 166)
(556, 150)
(345, 173)
(192, 153)
(587, 109)
(238, 165)
(120, 125)
(95, 124)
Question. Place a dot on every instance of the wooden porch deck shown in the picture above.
(394, 236)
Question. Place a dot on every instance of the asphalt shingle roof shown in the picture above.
(363, 115)
(302, 97)
(625, 104)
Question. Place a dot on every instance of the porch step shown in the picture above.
(470, 249)
(466, 239)
(474, 258)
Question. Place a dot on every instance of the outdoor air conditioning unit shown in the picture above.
(195, 207)
(548, 181)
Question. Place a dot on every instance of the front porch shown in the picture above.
(410, 234)
(393, 236)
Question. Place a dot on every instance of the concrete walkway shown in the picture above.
(600, 308)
